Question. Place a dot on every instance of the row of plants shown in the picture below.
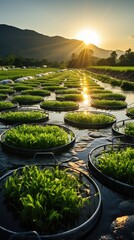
(17, 73)
(125, 85)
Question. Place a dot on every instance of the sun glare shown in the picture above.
(88, 37)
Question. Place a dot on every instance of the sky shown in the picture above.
(112, 20)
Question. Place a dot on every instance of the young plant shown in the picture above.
(27, 99)
(3, 96)
(68, 91)
(37, 136)
(109, 104)
(65, 105)
(20, 87)
(70, 97)
(6, 91)
(127, 86)
(46, 200)
(89, 118)
(129, 129)
(38, 92)
(53, 88)
(6, 105)
(118, 164)
(109, 96)
(22, 116)
(130, 112)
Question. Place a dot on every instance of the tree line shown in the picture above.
(18, 61)
(84, 59)
(126, 59)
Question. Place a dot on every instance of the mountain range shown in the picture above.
(31, 44)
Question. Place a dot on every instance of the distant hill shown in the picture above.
(30, 44)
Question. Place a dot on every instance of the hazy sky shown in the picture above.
(113, 20)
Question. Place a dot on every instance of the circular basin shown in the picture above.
(124, 129)
(45, 144)
(87, 219)
(108, 180)
(82, 122)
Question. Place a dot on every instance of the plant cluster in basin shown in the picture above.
(53, 88)
(38, 92)
(3, 96)
(21, 116)
(20, 87)
(70, 97)
(37, 136)
(27, 99)
(118, 164)
(109, 96)
(89, 118)
(94, 91)
(72, 85)
(130, 111)
(7, 91)
(5, 105)
(108, 104)
(58, 104)
(129, 128)
(127, 86)
(68, 91)
(46, 200)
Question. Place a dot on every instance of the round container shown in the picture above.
(61, 109)
(90, 125)
(9, 108)
(10, 227)
(119, 127)
(11, 122)
(114, 184)
(19, 150)
(129, 114)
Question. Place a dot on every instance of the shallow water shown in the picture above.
(86, 140)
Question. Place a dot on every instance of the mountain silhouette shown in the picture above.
(31, 44)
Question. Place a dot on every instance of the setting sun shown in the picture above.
(88, 37)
